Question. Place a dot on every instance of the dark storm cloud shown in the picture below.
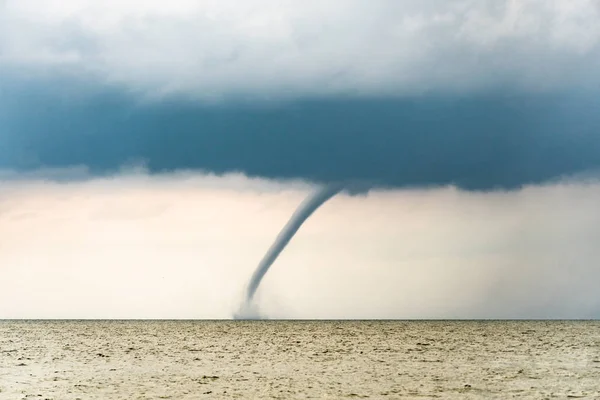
(499, 71)
(476, 142)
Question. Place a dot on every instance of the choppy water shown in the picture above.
(288, 359)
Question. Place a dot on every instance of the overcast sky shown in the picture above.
(209, 49)
(150, 151)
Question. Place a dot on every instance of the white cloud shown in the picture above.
(184, 246)
(210, 49)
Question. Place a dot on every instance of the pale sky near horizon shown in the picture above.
(150, 152)
(184, 246)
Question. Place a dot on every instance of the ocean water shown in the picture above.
(64, 360)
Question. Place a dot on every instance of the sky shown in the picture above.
(151, 151)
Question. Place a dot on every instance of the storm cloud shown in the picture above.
(492, 94)
(484, 142)
(213, 50)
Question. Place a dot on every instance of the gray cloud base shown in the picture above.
(498, 140)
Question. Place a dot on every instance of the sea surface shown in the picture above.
(64, 360)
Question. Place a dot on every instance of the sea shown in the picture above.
(198, 359)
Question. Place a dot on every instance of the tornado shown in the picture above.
(302, 213)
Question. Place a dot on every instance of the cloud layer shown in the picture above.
(484, 94)
(481, 142)
(285, 48)
(184, 246)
